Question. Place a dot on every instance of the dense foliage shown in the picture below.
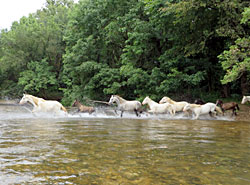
(31, 52)
(185, 49)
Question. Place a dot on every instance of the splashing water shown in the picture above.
(102, 148)
(15, 111)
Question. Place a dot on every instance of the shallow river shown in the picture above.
(105, 149)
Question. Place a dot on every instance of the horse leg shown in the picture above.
(174, 111)
(212, 113)
(34, 111)
(188, 113)
(121, 113)
(234, 112)
(92, 110)
(116, 112)
(136, 112)
(196, 117)
(197, 114)
(171, 111)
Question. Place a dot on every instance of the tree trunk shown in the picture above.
(244, 84)
(226, 91)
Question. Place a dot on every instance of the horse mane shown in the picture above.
(151, 99)
(35, 99)
(171, 101)
(120, 98)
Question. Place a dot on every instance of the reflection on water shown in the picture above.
(82, 150)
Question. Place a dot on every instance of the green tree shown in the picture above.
(37, 37)
(38, 77)
(95, 40)
(197, 32)
(236, 60)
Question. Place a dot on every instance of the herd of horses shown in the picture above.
(165, 106)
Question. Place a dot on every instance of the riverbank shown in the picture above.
(243, 114)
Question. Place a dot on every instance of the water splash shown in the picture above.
(15, 111)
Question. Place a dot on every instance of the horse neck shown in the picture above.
(172, 101)
(78, 104)
(33, 100)
(151, 102)
(120, 100)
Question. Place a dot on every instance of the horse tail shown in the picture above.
(63, 108)
(218, 109)
(237, 106)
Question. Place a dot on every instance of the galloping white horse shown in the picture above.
(178, 106)
(124, 105)
(245, 99)
(41, 105)
(202, 109)
(158, 108)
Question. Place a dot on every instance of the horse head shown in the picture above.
(219, 102)
(146, 100)
(112, 99)
(165, 99)
(24, 99)
(76, 102)
(244, 100)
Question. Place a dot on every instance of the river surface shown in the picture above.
(107, 149)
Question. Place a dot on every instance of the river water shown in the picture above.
(106, 149)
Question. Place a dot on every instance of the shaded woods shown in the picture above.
(92, 49)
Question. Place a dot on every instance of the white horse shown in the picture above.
(41, 105)
(158, 108)
(178, 106)
(245, 99)
(125, 105)
(202, 109)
